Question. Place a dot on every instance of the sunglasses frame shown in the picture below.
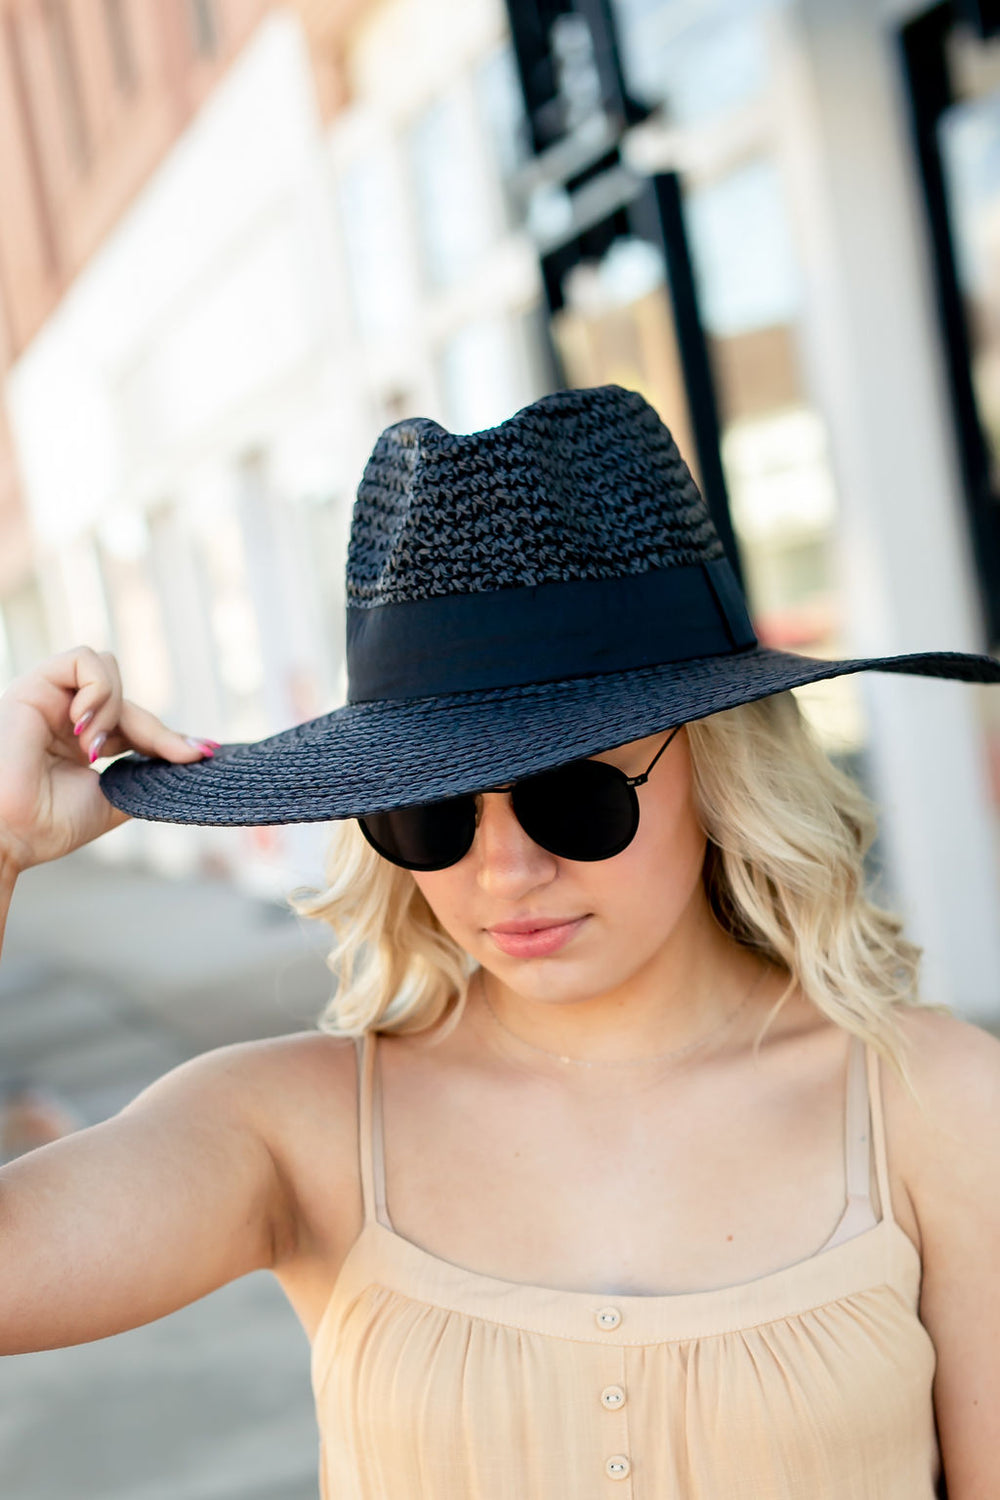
(631, 782)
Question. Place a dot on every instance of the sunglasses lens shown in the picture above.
(429, 837)
(584, 811)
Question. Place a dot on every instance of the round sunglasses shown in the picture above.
(585, 810)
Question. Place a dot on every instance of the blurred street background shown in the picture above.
(110, 977)
(237, 239)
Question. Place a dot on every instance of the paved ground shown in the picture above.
(108, 978)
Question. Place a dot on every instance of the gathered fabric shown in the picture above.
(433, 1382)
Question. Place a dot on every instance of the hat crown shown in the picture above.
(582, 484)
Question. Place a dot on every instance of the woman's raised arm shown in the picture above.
(128, 1220)
(125, 1221)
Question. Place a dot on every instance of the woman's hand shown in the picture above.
(55, 721)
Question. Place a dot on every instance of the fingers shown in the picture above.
(103, 722)
(95, 707)
(138, 729)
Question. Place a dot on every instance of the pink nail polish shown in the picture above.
(83, 721)
(215, 744)
(95, 748)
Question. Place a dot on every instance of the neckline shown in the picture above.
(382, 1260)
(862, 1121)
(412, 1249)
(879, 1255)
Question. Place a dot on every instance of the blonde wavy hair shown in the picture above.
(784, 873)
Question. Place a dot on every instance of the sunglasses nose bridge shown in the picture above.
(508, 861)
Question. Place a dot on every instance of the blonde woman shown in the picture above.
(627, 1160)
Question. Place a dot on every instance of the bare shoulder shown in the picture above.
(946, 1142)
(955, 1067)
(297, 1097)
(949, 1146)
(287, 1082)
(266, 1076)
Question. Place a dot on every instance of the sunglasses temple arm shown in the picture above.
(641, 780)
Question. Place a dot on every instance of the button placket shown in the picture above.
(612, 1400)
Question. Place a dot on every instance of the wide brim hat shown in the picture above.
(518, 597)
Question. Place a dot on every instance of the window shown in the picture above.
(698, 61)
(954, 97)
(773, 444)
(375, 245)
(616, 326)
(501, 107)
(454, 214)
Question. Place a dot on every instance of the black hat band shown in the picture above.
(457, 643)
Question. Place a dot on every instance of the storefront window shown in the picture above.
(454, 214)
(501, 107)
(704, 71)
(616, 326)
(969, 138)
(375, 244)
(696, 60)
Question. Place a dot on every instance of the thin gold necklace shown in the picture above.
(630, 1062)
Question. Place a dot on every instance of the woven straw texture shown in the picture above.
(582, 484)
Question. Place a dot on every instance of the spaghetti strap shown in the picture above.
(859, 1212)
(365, 1049)
(878, 1133)
(857, 1144)
(377, 1138)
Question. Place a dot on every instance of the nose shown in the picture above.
(508, 862)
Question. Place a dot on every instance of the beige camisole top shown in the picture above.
(811, 1383)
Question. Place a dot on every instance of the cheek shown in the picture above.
(649, 883)
(450, 896)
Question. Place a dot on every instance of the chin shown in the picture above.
(548, 982)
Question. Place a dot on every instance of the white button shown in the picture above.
(618, 1466)
(608, 1317)
(612, 1397)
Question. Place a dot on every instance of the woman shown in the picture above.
(649, 1175)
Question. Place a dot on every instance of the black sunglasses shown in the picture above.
(584, 810)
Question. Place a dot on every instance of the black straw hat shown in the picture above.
(518, 597)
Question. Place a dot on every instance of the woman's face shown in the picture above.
(591, 927)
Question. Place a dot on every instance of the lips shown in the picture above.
(535, 937)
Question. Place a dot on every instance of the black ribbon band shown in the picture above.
(460, 643)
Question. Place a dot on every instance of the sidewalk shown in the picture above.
(108, 978)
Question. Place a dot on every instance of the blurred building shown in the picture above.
(776, 218)
(165, 246)
(87, 112)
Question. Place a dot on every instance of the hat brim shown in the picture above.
(367, 757)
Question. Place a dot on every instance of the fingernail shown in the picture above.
(95, 748)
(202, 745)
(215, 744)
(83, 721)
